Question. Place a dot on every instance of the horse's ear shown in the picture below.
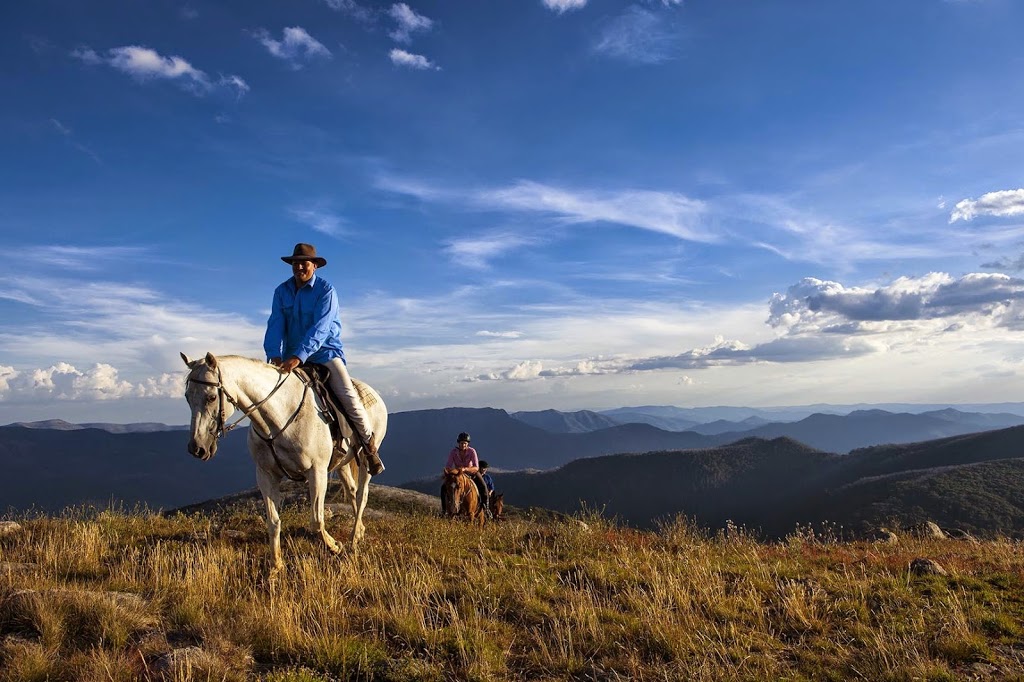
(185, 358)
(210, 360)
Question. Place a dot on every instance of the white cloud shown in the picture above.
(84, 321)
(408, 22)
(144, 63)
(353, 9)
(499, 335)
(475, 252)
(413, 61)
(63, 381)
(814, 304)
(295, 45)
(61, 128)
(320, 220)
(236, 83)
(7, 373)
(563, 6)
(85, 258)
(665, 212)
(638, 35)
(87, 55)
(1002, 204)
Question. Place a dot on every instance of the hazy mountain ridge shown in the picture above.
(566, 422)
(971, 482)
(51, 468)
(137, 427)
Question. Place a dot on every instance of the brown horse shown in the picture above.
(461, 497)
(498, 506)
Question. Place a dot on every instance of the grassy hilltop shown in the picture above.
(119, 596)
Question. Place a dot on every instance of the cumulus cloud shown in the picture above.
(145, 64)
(412, 61)
(63, 381)
(408, 22)
(1002, 204)
(524, 371)
(814, 304)
(7, 373)
(638, 35)
(563, 6)
(295, 45)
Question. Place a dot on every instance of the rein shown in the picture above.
(246, 412)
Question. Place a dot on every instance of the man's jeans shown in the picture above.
(341, 384)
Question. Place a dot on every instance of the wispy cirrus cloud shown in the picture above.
(563, 6)
(412, 61)
(295, 46)
(67, 133)
(477, 251)
(321, 220)
(83, 320)
(408, 21)
(1001, 204)
(669, 213)
(354, 9)
(639, 35)
(84, 258)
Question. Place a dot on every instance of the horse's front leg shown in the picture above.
(362, 488)
(270, 487)
(317, 492)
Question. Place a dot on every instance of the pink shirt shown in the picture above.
(458, 458)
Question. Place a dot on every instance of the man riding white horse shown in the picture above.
(305, 326)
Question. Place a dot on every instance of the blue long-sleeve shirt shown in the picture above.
(304, 322)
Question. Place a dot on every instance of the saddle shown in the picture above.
(318, 378)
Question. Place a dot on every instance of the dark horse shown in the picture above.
(461, 497)
(498, 506)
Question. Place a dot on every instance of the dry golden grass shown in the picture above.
(119, 596)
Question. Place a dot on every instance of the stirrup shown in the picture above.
(373, 464)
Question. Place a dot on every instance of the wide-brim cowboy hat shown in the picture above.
(305, 252)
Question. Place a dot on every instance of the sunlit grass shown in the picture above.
(119, 596)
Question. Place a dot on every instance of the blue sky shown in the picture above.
(525, 204)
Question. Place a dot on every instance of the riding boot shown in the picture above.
(341, 384)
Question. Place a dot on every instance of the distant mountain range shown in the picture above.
(974, 483)
(50, 469)
(138, 427)
(54, 464)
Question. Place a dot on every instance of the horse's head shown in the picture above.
(204, 391)
(497, 505)
(454, 482)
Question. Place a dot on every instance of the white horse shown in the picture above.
(287, 435)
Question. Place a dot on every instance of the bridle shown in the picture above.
(222, 395)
